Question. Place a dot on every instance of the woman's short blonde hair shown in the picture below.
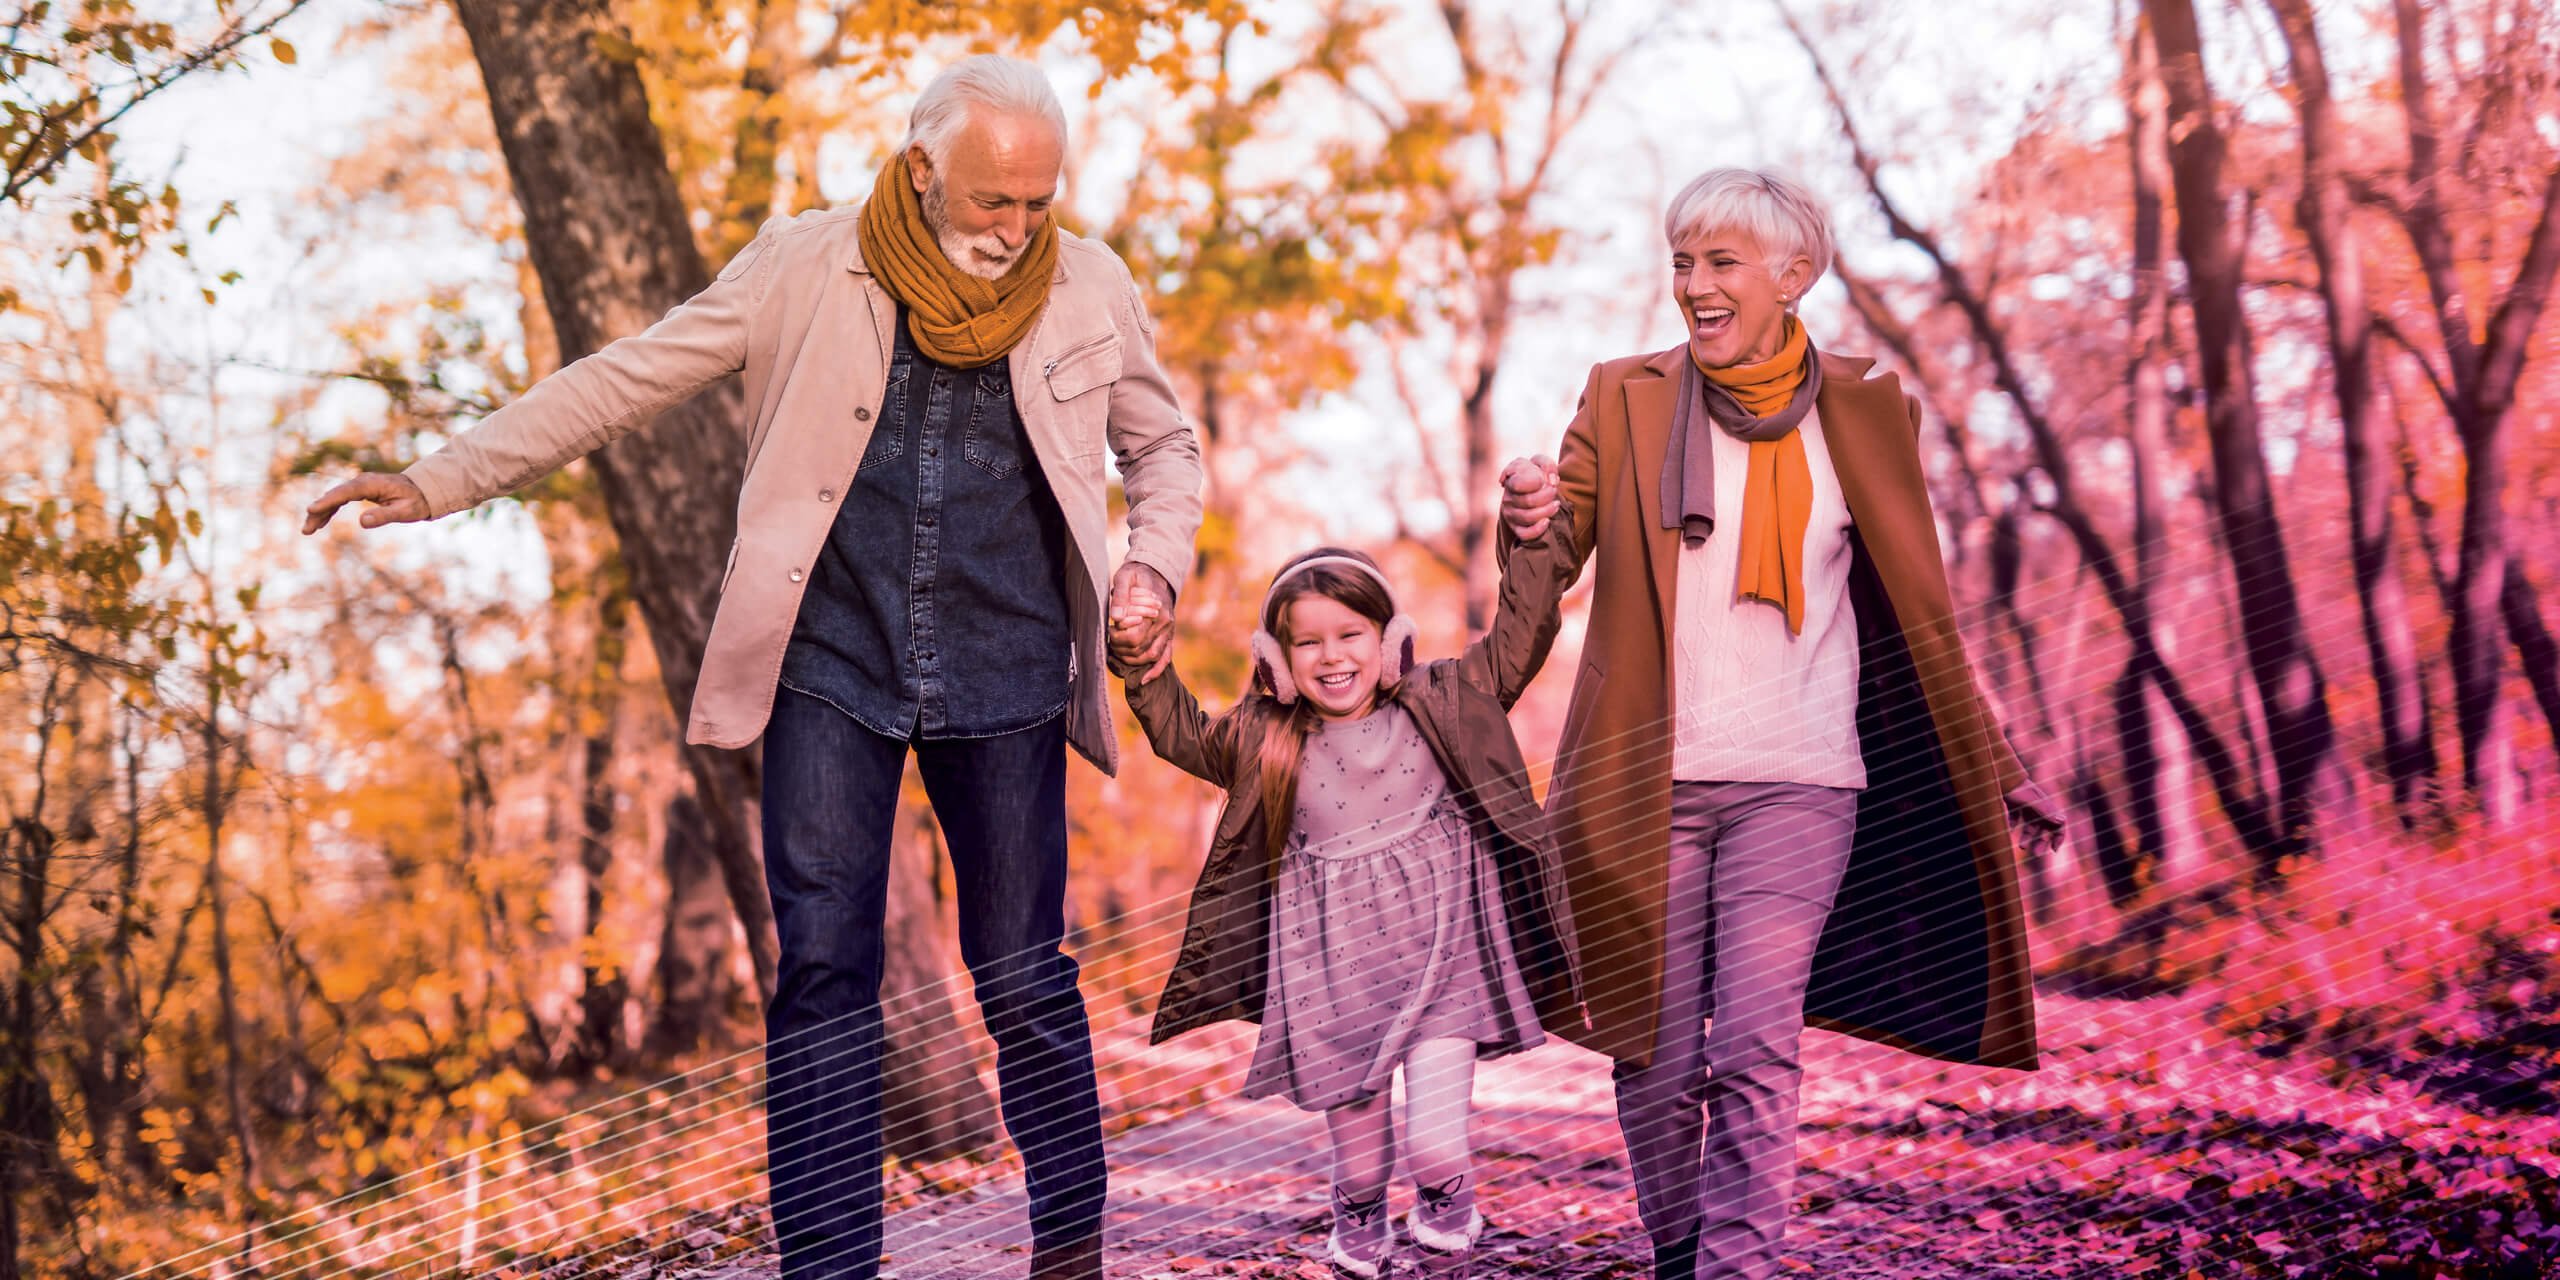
(1776, 211)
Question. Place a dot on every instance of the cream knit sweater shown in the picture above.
(1752, 702)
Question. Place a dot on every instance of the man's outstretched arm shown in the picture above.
(581, 408)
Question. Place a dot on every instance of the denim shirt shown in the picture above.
(937, 608)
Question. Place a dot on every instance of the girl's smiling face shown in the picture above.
(1333, 656)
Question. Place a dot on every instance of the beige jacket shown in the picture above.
(810, 326)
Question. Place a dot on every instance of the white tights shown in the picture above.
(1439, 1093)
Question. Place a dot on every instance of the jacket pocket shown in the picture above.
(1577, 721)
(1233, 818)
(1083, 367)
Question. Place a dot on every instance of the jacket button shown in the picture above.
(826, 495)
(862, 415)
(795, 575)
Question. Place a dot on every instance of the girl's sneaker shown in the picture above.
(1445, 1226)
(1362, 1239)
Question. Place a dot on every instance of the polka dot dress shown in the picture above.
(1387, 922)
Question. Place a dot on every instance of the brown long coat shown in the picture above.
(1461, 706)
(1926, 947)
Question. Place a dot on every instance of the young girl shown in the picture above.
(1404, 907)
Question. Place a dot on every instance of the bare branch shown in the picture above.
(2511, 326)
(2383, 324)
(2422, 214)
(37, 162)
(1877, 313)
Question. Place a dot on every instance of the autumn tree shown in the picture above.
(2483, 348)
(2326, 218)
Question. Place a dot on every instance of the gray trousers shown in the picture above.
(1710, 1122)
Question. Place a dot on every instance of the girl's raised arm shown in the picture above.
(1535, 575)
(1180, 732)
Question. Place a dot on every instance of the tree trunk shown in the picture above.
(226, 987)
(1476, 501)
(2008, 569)
(2535, 649)
(2479, 661)
(2485, 362)
(2408, 744)
(930, 1103)
(112, 1010)
(28, 1123)
(2158, 768)
(600, 997)
(2291, 692)
(607, 233)
(693, 943)
(755, 146)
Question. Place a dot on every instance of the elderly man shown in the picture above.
(919, 566)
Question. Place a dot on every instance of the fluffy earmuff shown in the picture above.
(1271, 667)
(1396, 645)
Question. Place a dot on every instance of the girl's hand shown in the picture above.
(1529, 496)
(1128, 633)
(1142, 605)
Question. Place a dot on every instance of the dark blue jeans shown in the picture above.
(830, 805)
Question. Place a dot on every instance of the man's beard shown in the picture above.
(983, 256)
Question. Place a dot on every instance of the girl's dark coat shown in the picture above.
(1461, 705)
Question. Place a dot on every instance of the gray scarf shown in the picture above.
(1689, 467)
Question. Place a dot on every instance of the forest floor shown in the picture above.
(2147, 1146)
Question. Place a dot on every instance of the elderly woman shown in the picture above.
(1779, 798)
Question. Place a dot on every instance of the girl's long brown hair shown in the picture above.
(1284, 734)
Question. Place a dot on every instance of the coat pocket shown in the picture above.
(1577, 717)
(1569, 744)
(1084, 367)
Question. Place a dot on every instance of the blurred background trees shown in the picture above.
(353, 880)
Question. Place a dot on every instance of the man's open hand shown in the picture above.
(395, 499)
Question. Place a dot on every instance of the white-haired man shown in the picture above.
(935, 376)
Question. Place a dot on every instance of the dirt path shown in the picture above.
(2145, 1148)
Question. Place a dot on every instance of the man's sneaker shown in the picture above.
(1445, 1225)
(1362, 1239)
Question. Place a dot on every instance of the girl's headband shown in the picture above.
(1344, 561)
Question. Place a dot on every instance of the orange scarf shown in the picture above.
(1777, 491)
(958, 319)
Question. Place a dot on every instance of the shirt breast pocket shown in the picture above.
(889, 428)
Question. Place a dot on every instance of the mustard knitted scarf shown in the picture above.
(958, 319)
